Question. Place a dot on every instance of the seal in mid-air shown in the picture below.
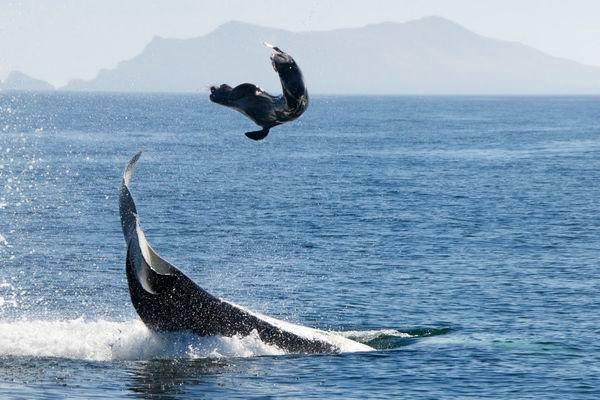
(167, 300)
(264, 109)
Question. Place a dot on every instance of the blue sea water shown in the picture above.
(458, 236)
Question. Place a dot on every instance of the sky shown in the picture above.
(61, 40)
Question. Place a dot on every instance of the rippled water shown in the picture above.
(457, 236)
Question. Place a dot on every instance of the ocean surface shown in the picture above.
(457, 236)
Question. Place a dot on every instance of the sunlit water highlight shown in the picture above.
(458, 237)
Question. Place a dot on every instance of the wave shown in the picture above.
(386, 339)
(102, 340)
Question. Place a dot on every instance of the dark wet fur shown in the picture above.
(264, 109)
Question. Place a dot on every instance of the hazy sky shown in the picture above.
(64, 39)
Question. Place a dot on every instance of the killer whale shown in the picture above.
(264, 109)
(167, 300)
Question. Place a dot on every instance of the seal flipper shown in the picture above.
(258, 135)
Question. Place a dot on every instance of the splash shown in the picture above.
(8, 293)
(367, 336)
(388, 339)
(102, 340)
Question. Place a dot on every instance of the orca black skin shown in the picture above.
(264, 109)
(167, 300)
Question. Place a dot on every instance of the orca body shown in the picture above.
(167, 300)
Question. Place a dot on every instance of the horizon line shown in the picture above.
(194, 93)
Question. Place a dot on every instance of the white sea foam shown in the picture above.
(106, 340)
(8, 302)
(102, 340)
(8, 295)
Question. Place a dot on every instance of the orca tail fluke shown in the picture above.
(126, 204)
(258, 135)
(145, 264)
(128, 172)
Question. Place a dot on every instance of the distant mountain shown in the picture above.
(19, 81)
(427, 56)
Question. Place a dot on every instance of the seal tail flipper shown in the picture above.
(258, 135)
(275, 48)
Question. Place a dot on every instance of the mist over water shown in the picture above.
(457, 236)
